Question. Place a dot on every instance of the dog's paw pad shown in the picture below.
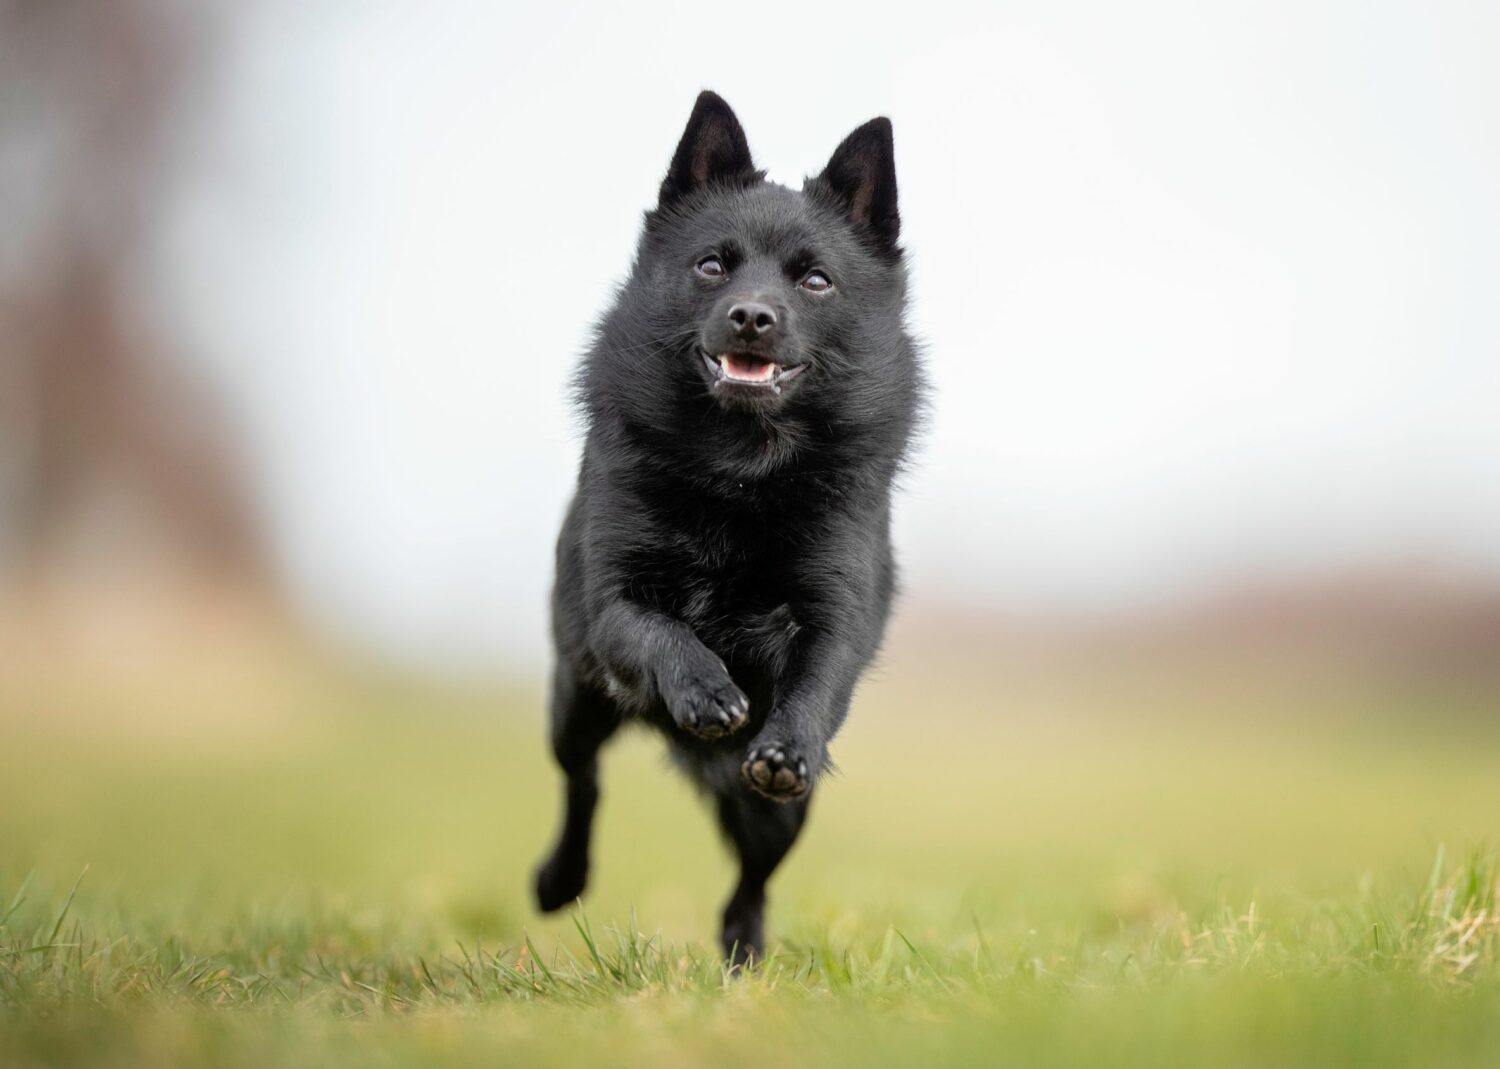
(772, 770)
(709, 705)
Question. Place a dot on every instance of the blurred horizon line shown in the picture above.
(1410, 615)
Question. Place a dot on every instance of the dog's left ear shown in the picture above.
(862, 175)
(713, 149)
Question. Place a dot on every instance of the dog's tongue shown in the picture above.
(748, 368)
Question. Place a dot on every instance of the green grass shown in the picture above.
(283, 863)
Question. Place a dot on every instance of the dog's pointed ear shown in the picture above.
(861, 175)
(713, 149)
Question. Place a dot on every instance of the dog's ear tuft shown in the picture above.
(713, 149)
(861, 174)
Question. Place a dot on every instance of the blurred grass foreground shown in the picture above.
(1175, 843)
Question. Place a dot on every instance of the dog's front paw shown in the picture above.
(776, 771)
(706, 703)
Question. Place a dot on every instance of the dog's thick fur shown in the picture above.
(724, 573)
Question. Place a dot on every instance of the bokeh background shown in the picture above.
(1208, 295)
(1201, 546)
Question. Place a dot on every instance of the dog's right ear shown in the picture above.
(713, 149)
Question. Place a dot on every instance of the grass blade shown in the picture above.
(52, 938)
(15, 903)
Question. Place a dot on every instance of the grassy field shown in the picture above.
(278, 862)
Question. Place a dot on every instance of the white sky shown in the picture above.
(1210, 291)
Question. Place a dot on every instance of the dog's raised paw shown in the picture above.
(708, 704)
(774, 771)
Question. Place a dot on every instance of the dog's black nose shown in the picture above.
(751, 320)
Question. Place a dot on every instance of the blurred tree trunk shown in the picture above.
(114, 461)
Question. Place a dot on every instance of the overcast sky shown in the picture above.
(1209, 291)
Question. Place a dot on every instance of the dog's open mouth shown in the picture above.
(748, 369)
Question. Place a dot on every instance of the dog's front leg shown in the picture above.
(785, 758)
(652, 657)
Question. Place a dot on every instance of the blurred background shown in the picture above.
(290, 295)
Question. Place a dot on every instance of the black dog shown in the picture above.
(725, 569)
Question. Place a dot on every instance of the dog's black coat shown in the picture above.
(725, 572)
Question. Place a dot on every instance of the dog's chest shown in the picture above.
(732, 572)
(738, 584)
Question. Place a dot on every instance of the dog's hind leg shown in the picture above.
(762, 832)
(582, 719)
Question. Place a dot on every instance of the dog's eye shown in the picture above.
(816, 282)
(711, 267)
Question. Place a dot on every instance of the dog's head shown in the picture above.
(757, 296)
